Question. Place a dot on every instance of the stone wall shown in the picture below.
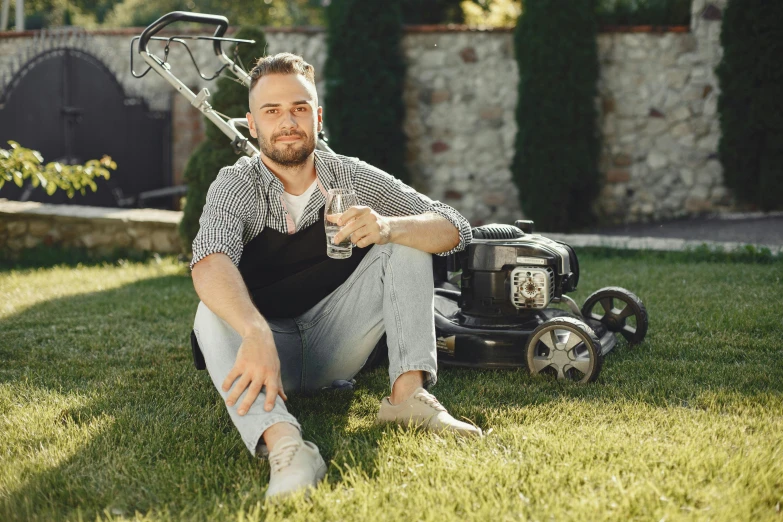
(99, 230)
(658, 96)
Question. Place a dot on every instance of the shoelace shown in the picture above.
(282, 455)
(430, 400)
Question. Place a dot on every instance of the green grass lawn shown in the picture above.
(103, 416)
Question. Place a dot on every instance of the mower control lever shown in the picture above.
(183, 16)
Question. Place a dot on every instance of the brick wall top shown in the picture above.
(410, 29)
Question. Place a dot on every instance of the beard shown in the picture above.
(292, 154)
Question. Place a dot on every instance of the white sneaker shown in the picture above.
(423, 409)
(296, 464)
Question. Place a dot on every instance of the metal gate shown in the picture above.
(68, 105)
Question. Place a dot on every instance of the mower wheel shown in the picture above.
(620, 311)
(566, 348)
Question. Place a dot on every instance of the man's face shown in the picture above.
(285, 118)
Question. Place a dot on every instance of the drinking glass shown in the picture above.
(337, 202)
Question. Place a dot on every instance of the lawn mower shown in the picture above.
(492, 300)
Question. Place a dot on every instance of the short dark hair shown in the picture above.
(281, 63)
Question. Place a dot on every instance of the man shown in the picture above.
(277, 314)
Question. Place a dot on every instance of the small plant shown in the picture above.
(20, 164)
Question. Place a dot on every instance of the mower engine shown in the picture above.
(507, 273)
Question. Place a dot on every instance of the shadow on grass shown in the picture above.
(107, 415)
(121, 422)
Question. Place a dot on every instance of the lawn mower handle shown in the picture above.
(182, 16)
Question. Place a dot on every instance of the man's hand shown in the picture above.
(365, 226)
(257, 365)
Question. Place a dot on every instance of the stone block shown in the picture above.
(680, 113)
(161, 242)
(677, 78)
(715, 170)
(618, 175)
(31, 241)
(687, 43)
(494, 198)
(468, 55)
(697, 205)
(15, 244)
(143, 243)
(711, 106)
(38, 228)
(439, 147)
(688, 141)
(623, 160)
(655, 113)
(657, 160)
(94, 239)
(491, 113)
(681, 129)
(17, 228)
(656, 126)
(122, 239)
(708, 143)
(432, 59)
(637, 54)
(440, 96)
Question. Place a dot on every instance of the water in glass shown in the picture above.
(337, 202)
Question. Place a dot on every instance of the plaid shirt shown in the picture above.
(247, 197)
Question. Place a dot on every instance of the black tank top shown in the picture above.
(287, 274)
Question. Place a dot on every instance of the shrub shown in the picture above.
(19, 164)
(216, 152)
(557, 145)
(365, 73)
(751, 112)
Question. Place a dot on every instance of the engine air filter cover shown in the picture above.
(531, 287)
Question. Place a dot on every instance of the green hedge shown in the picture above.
(557, 144)
(230, 98)
(365, 74)
(751, 102)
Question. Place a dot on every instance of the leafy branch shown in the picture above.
(19, 164)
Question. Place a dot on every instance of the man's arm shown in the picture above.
(391, 198)
(220, 286)
(428, 232)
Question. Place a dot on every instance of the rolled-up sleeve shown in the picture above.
(391, 197)
(224, 220)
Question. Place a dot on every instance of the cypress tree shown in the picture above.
(365, 74)
(557, 144)
(215, 152)
(750, 103)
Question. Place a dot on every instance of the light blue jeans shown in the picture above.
(390, 291)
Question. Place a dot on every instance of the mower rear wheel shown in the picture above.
(566, 348)
(620, 311)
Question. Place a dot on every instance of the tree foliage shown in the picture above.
(19, 164)
(750, 102)
(557, 145)
(230, 99)
(365, 74)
